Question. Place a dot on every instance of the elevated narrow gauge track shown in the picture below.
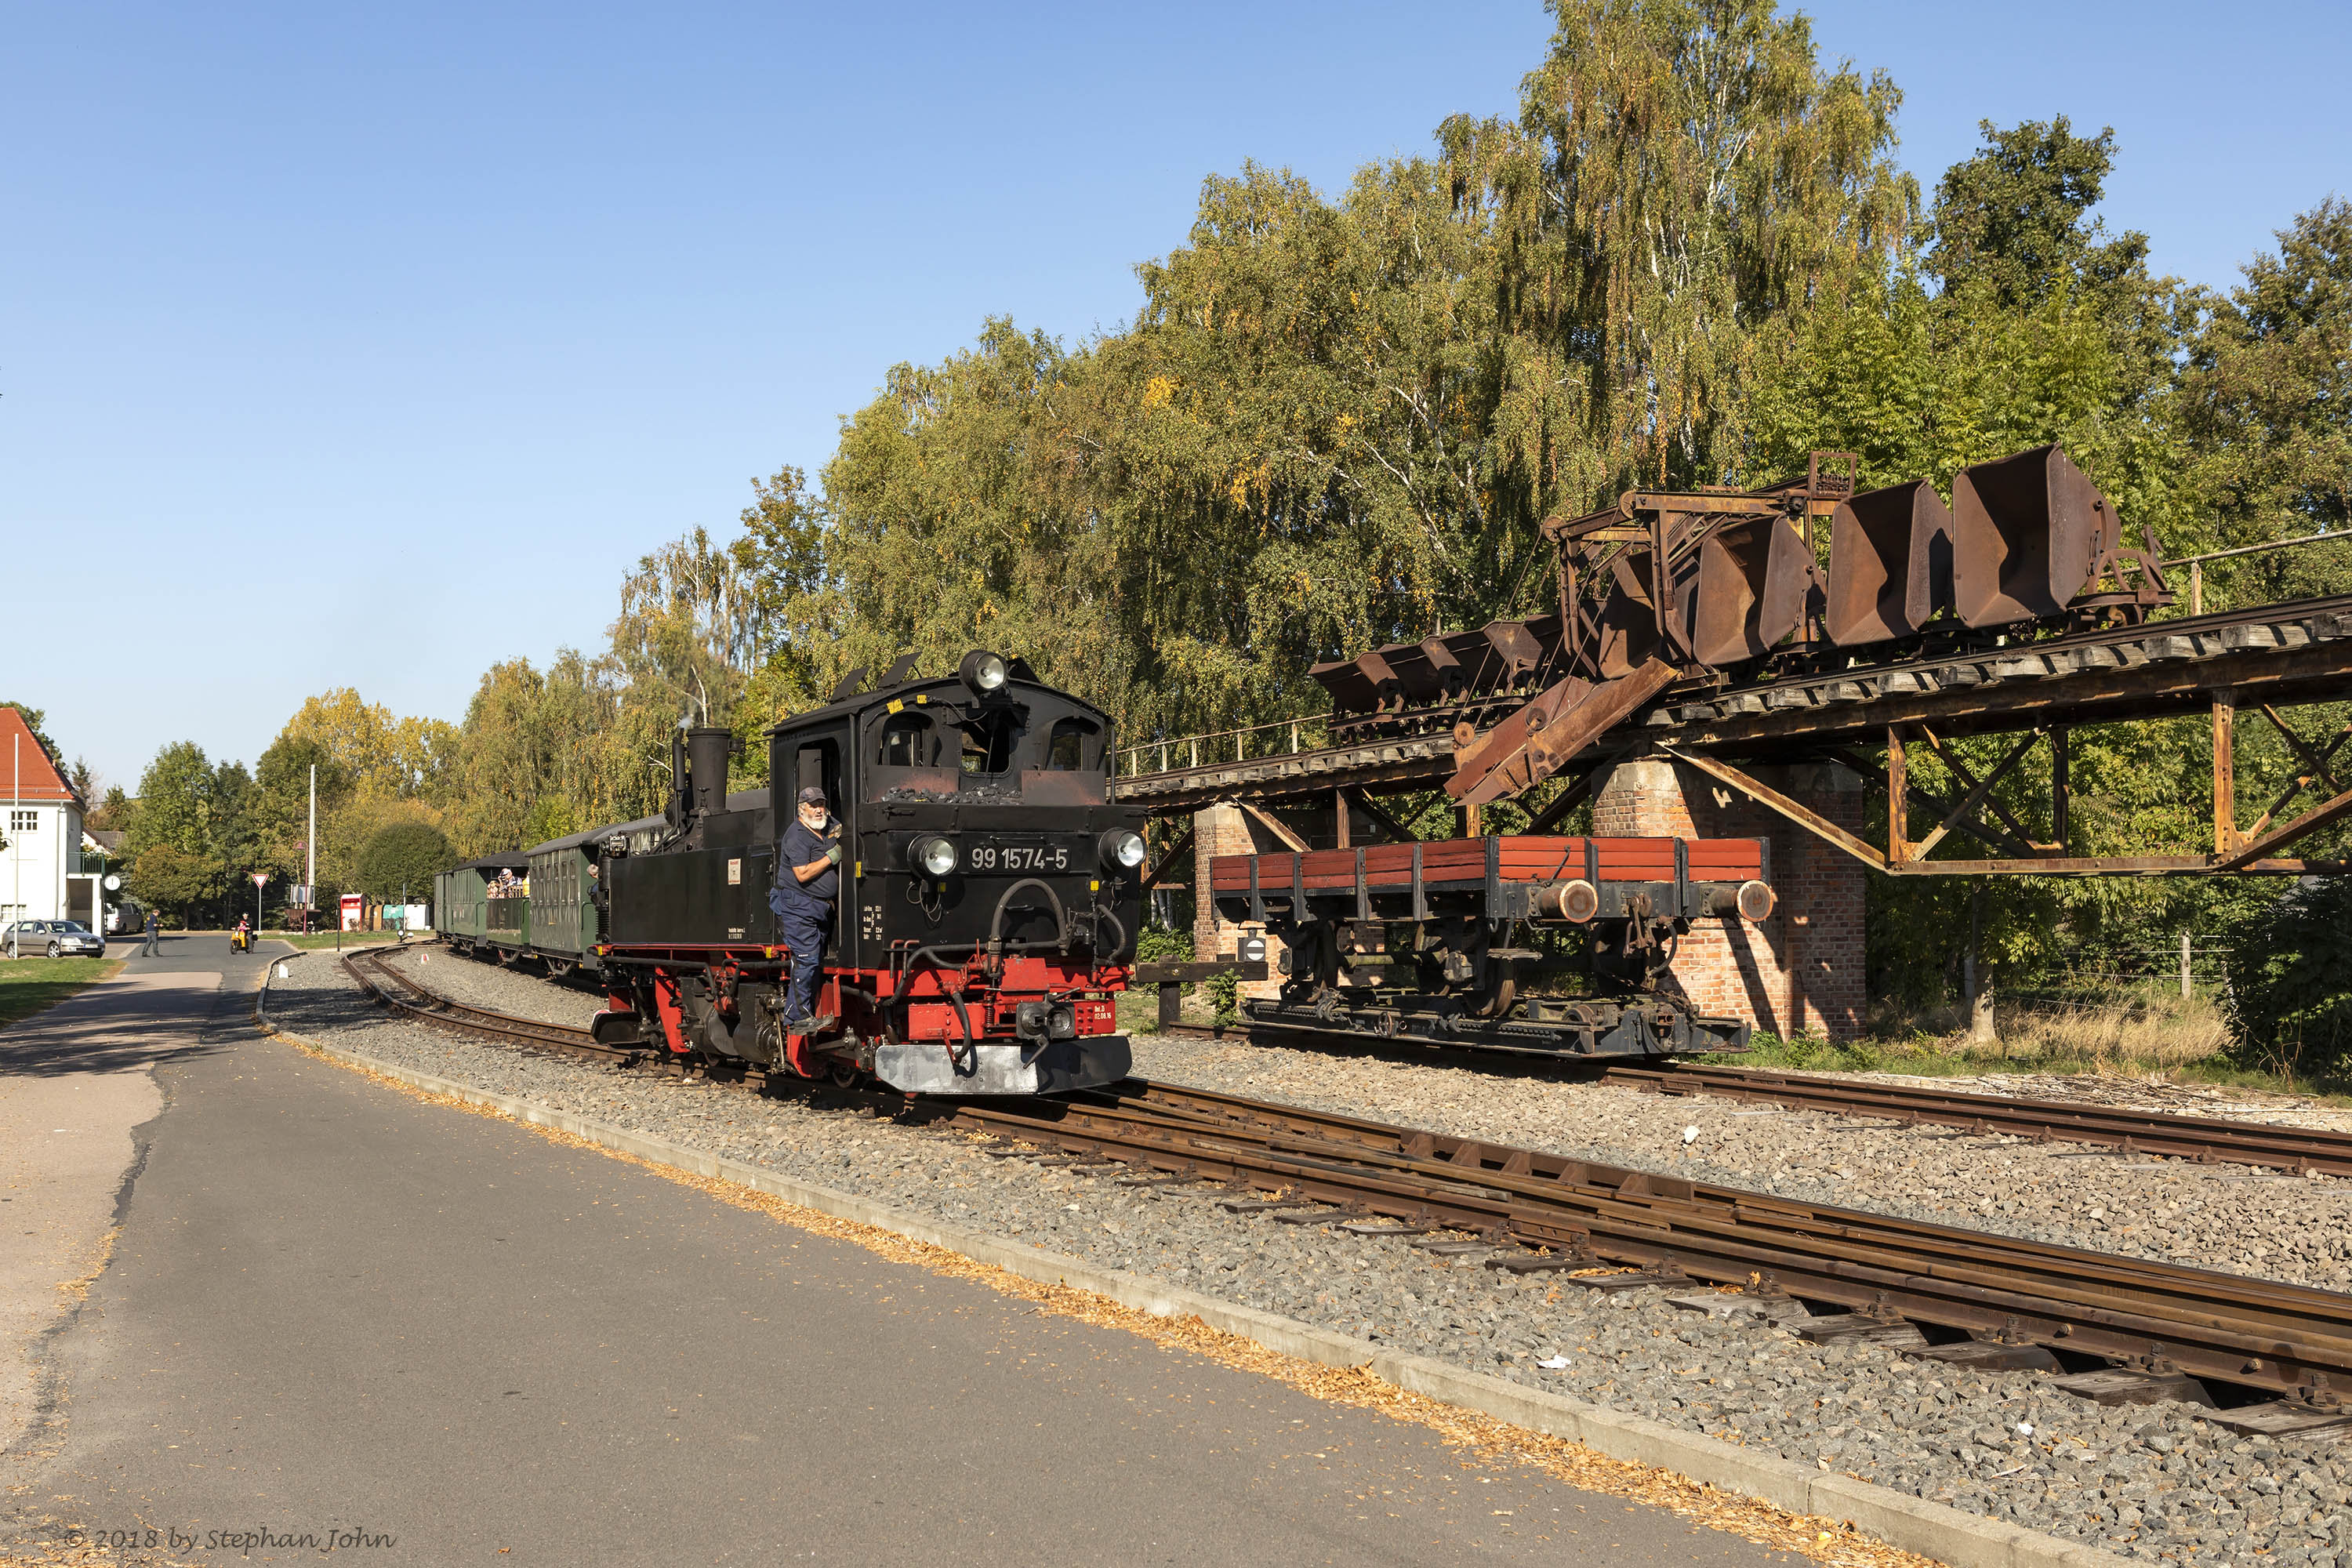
(2122, 1327)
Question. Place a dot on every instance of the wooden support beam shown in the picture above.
(1772, 799)
(1291, 841)
(1898, 798)
(2316, 762)
(1991, 802)
(1397, 831)
(1183, 842)
(2060, 786)
(2225, 771)
(1568, 799)
(2311, 821)
(1466, 821)
(1980, 790)
(1871, 772)
(1340, 818)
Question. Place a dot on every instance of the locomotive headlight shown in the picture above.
(933, 854)
(983, 671)
(1122, 849)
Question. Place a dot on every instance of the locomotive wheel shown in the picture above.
(845, 1075)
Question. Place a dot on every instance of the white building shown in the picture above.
(41, 875)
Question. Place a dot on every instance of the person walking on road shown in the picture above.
(809, 861)
(154, 931)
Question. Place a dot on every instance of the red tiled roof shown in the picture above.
(35, 776)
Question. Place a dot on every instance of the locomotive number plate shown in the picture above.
(1021, 858)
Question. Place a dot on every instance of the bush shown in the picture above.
(1163, 944)
(405, 856)
(2290, 969)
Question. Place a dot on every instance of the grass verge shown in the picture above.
(30, 985)
(2176, 1041)
(319, 939)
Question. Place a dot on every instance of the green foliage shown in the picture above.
(1163, 944)
(1224, 996)
(1681, 173)
(2290, 968)
(2266, 397)
(168, 878)
(2013, 221)
(403, 857)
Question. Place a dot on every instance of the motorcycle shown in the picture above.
(240, 941)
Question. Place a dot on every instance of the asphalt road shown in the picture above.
(334, 1308)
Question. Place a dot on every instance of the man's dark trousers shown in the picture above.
(803, 924)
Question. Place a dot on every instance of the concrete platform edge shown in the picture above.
(1902, 1521)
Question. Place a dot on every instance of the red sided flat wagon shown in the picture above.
(1554, 945)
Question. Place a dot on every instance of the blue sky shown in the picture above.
(367, 347)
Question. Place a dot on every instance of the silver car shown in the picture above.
(58, 939)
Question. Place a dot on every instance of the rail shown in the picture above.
(1997, 1301)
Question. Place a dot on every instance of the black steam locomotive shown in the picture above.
(990, 893)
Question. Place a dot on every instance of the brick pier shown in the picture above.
(1799, 971)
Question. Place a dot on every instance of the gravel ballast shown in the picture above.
(2238, 1218)
(2151, 1481)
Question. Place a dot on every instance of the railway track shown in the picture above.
(2114, 1329)
(2204, 1140)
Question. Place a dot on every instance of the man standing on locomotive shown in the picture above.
(810, 855)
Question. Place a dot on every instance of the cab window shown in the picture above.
(909, 741)
(989, 738)
(1071, 745)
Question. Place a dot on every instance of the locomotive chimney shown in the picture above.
(707, 751)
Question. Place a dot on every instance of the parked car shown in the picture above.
(56, 939)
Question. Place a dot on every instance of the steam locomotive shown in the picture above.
(990, 899)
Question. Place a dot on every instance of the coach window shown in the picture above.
(909, 741)
(1073, 746)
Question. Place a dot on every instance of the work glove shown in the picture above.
(832, 854)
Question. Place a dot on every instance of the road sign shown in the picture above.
(259, 878)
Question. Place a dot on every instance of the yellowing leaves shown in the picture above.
(1158, 391)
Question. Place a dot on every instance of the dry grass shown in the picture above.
(2155, 1036)
(2113, 1037)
